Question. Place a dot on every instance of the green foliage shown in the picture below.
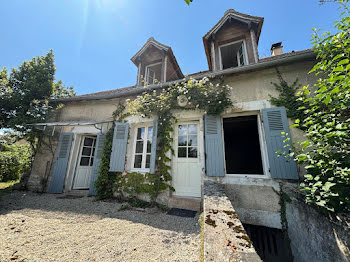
(106, 180)
(24, 95)
(188, 1)
(288, 97)
(15, 159)
(204, 95)
(326, 152)
(191, 95)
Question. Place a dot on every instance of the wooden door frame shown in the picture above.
(77, 160)
(200, 149)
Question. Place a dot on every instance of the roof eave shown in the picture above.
(252, 67)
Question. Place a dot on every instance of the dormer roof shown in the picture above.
(151, 42)
(253, 22)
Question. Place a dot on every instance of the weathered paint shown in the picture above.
(120, 140)
(214, 155)
(275, 122)
(60, 166)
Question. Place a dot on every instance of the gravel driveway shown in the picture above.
(36, 227)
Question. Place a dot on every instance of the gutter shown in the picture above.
(252, 67)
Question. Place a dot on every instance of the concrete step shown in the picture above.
(77, 192)
(190, 203)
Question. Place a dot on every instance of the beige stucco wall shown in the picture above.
(251, 92)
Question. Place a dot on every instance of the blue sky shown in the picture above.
(93, 40)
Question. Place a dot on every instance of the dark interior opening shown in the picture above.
(242, 147)
(271, 244)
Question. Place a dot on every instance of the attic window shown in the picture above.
(232, 54)
(153, 73)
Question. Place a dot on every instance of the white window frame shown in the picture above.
(143, 168)
(245, 54)
(147, 71)
(262, 142)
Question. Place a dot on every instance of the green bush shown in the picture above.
(15, 159)
(326, 121)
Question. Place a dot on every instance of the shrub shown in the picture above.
(15, 159)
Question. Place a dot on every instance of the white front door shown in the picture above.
(186, 162)
(85, 163)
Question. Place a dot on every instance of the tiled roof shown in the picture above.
(292, 53)
(108, 92)
(125, 90)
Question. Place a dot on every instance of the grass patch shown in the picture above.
(6, 187)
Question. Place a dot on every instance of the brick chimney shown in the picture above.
(277, 49)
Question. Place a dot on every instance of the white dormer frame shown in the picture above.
(245, 54)
(147, 71)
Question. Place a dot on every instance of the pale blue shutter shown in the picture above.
(154, 146)
(61, 163)
(214, 155)
(97, 160)
(120, 140)
(275, 122)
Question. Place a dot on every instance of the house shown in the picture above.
(236, 148)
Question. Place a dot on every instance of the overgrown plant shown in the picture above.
(204, 95)
(326, 152)
(288, 97)
(193, 94)
(106, 180)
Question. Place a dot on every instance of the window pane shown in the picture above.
(140, 133)
(86, 151)
(84, 161)
(92, 161)
(88, 141)
(182, 141)
(181, 152)
(138, 161)
(192, 152)
(148, 160)
(150, 133)
(192, 140)
(93, 151)
(139, 147)
(149, 146)
(192, 129)
(182, 130)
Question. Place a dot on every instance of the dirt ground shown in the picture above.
(43, 227)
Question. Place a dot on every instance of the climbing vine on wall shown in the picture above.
(210, 97)
(288, 96)
(106, 180)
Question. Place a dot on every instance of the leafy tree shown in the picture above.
(326, 152)
(25, 93)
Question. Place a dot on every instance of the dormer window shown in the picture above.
(233, 54)
(153, 73)
(156, 64)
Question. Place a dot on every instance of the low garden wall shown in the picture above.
(315, 237)
(224, 238)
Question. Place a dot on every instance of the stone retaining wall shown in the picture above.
(314, 237)
(224, 236)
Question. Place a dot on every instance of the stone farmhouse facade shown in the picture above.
(237, 148)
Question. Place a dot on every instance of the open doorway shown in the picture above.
(242, 145)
